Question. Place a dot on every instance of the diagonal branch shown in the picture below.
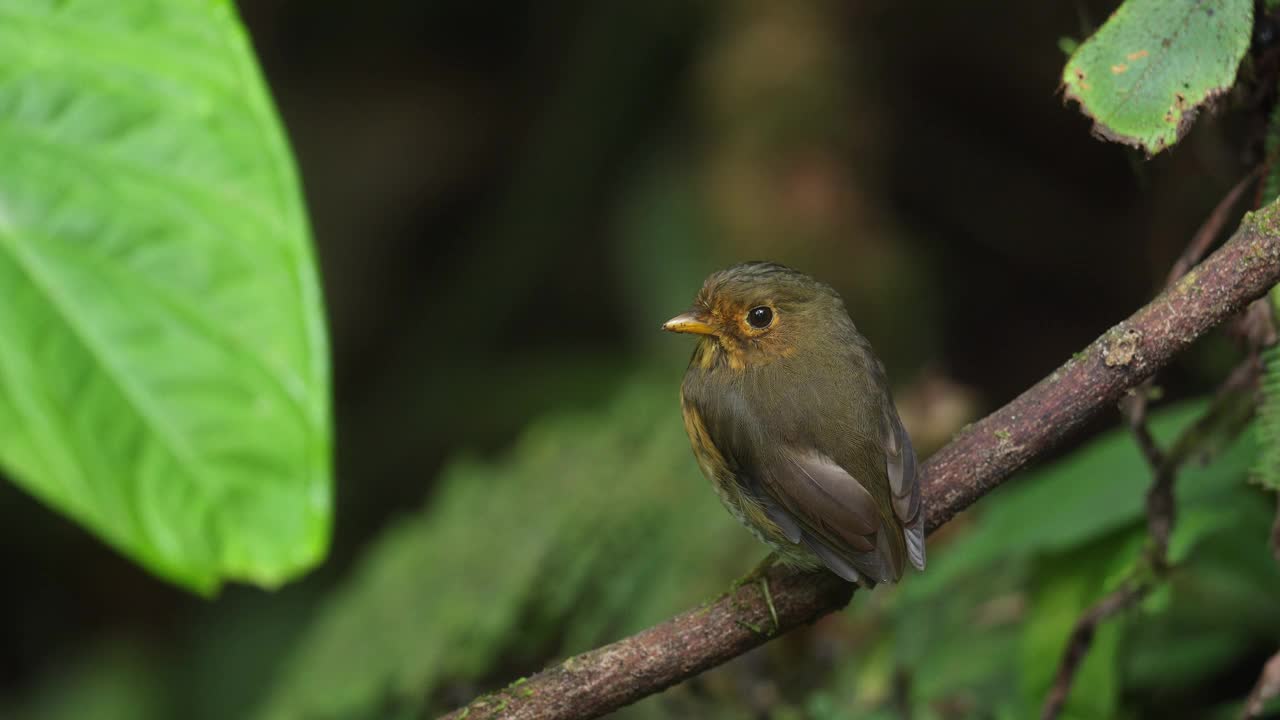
(975, 462)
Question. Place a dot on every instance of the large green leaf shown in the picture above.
(163, 362)
(1146, 73)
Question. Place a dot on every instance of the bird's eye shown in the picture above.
(760, 317)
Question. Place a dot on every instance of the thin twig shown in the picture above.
(1081, 640)
(1267, 689)
(1256, 326)
(1161, 517)
(1210, 229)
(973, 464)
(1160, 505)
(1225, 409)
(1134, 405)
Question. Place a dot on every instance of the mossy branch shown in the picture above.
(973, 464)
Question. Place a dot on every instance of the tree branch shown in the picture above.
(1210, 229)
(1134, 404)
(975, 462)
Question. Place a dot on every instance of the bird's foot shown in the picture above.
(758, 576)
(768, 600)
(758, 572)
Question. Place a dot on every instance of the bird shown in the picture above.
(790, 417)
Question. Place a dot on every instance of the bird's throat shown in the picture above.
(711, 354)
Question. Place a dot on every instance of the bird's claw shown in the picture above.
(758, 576)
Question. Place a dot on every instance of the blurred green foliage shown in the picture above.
(597, 524)
(592, 527)
(114, 681)
(568, 511)
(1066, 535)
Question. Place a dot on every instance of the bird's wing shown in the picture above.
(810, 498)
(904, 483)
(841, 521)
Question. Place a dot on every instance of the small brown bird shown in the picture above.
(790, 417)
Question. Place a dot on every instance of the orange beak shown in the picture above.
(692, 322)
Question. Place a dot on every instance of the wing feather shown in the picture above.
(812, 499)
(904, 483)
(841, 519)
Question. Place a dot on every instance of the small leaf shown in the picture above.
(1147, 72)
(163, 360)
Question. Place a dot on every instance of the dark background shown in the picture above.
(509, 197)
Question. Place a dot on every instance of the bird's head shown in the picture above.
(757, 312)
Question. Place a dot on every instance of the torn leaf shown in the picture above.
(1146, 74)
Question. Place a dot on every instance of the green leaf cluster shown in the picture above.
(164, 381)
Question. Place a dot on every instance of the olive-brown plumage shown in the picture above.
(790, 417)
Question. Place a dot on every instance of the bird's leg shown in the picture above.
(758, 572)
(758, 576)
(768, 600)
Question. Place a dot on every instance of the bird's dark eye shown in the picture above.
(759, 317)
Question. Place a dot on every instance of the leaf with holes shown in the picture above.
(1149, 70)
(163, 362)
